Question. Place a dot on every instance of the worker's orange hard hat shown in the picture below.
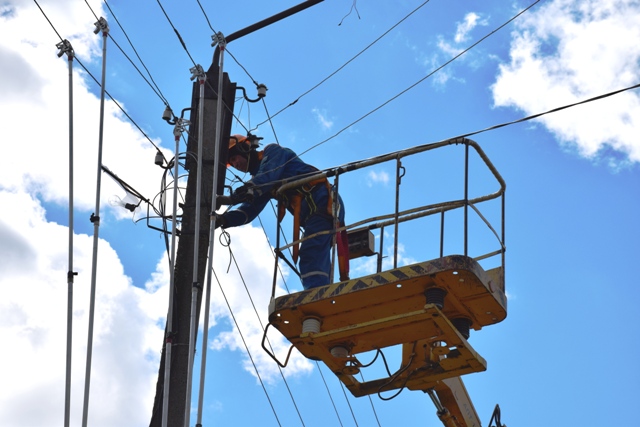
(235, 139)
(238, 144)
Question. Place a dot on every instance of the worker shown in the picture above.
(311, 205)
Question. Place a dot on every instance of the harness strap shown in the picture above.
(293, 201)
(342, 242)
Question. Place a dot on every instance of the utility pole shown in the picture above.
(179, 336)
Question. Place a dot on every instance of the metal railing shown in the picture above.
(442, 208)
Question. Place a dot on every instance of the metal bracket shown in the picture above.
(180, 126)
(65, 47)
(218, 39)
(197, 73)
(101, 25)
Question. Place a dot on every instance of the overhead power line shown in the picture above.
(91, 9)
(154, 87)
(424, 78)
(554, 110)
(255, 310)
(246, 347)
(184, 46)
(98, 83)
(206, 17)
(346, 63)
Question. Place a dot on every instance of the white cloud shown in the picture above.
(129, 321)
(35, 102)
(321, 117)
(33, 319)
(377, 177)
(471, 21)
(255, 261)
(451, 48)
(569, 51)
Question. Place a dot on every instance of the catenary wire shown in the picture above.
(242, 66)
(554, 110)
(521, 120)
(348, 403)
(246, 347)
(153, 86)
(287, 288)
(273, 129)
(330, 397)
(48, 20)
(205, 16)
(346, 63)
(468, 134)
(184, 46)
(262, 326)
(271, 249)
(410, 87)
(285, 284)
(373, 408)
(123, 110)
(154, 89)
(98, 83)
(424, 78)
(91, 9)
(160, 211)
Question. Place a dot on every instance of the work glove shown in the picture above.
(220, 221)
(243, 193)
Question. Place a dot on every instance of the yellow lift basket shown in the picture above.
(428, 308)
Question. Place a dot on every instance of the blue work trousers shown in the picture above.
(315, 253)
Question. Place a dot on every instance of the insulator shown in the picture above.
(262, 91)
(463, 325)
(159, 159)
(311, 324)
(435, 296)
(167, 114)
(339, 351)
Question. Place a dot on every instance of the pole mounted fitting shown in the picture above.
(219, 40)
(181, 126)
(254, 140)
(197, 72)
(65, 47)
(167, 115)
(262, 90)
(159, 159)
(101, 25)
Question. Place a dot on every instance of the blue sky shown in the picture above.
(565, 355)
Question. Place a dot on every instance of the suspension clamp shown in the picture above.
(94, 218)
(65, 47)
(101, 25)
(218, 39)
(180, 127)
(198, 73)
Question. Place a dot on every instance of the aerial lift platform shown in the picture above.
(426, 308)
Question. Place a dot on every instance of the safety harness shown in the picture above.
(292, 201)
